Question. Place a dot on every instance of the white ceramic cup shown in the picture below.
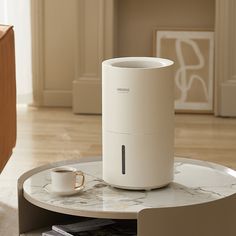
(64, 179)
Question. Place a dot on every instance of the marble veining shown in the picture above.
(194, 182)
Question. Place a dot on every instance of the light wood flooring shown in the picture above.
(52, 134)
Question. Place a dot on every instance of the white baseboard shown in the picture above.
(57, 98)
(228, 99)
(87, 96)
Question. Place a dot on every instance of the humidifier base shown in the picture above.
(139, 188)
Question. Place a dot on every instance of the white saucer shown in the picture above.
(48, 188)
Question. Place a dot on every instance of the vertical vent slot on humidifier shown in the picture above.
(123, 158)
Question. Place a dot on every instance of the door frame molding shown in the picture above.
(95, 37)
(225, 48)
(37, 29)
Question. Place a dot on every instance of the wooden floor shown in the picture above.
(48, 135)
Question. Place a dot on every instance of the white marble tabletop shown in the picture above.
(194, 182)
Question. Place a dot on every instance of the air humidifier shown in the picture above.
(137, 122)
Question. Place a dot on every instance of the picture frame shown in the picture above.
(193, 54)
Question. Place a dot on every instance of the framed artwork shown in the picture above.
(193, 55)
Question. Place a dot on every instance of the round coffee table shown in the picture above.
(196, 183)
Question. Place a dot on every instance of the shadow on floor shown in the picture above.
(8, 220)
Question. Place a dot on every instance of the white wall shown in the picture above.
(54, 59)
(60, 29)
(138, 18)
(54, 45)
(17, 13)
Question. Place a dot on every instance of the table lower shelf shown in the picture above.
(91, 226)
(37, 232)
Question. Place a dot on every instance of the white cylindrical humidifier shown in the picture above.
(138, 122)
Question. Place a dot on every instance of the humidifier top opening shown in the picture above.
(138, 62)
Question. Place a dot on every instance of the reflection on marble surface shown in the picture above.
(193, 183)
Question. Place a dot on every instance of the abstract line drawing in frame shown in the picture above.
(193, 54)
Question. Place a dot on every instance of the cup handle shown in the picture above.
(80, 173)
